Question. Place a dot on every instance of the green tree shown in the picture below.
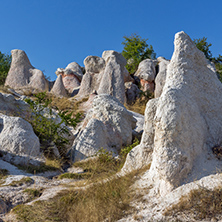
(5, 62)
(204, 46)
(136, 50)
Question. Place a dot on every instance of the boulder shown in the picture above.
(119, 57)
(94, 64)
(112, 82)
(18, 141)
(23, 75)
(58, 88)
(132, 92)
(71, 76)
(147, 72)
(107, 119)
(14, 107)
(120, 60)
(161, 76)
(183, 124)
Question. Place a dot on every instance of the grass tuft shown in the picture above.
(24, 180)
(203, 203)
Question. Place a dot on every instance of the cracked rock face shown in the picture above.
(183, 124)
(23, 74)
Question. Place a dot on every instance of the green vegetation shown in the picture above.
(48, 127)
(124, 151)
(204, 46)
(203, 203)
(5, 62)
(136, 50)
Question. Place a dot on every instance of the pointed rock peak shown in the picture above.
(58, 88)
(19, 57)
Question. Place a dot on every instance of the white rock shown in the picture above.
(18, 141)
(94, 64)
(23, 74)
(58, 88)
(107, 120)
(146, 70)
(161, 76)
(112, 82)
(185, 122)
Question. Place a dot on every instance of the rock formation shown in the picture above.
(94, 66)
(146, 72)
(108, 119)
(161, 76)
(105, 75)
(120, 60)
(58, 88)
(71, 76)
(23, 75)
(183, 124)
(112, 82)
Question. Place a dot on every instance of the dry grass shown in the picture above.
(107, 201)
(24, 180)
(49, 165)
(140, 105)
(202, 203)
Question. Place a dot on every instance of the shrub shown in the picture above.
(47, 125)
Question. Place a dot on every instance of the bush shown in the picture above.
(47, 125)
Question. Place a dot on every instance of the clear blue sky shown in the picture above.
(54, 33)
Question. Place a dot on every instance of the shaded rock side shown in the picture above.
(186, 122)
(18, 140)
(112, 82)
(58, 88)
(94, 64)
(108, 119)
(161, 76)
(23, 74)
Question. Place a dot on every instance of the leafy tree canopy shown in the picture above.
(136, 50)
(5, 62)
(204, 46)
